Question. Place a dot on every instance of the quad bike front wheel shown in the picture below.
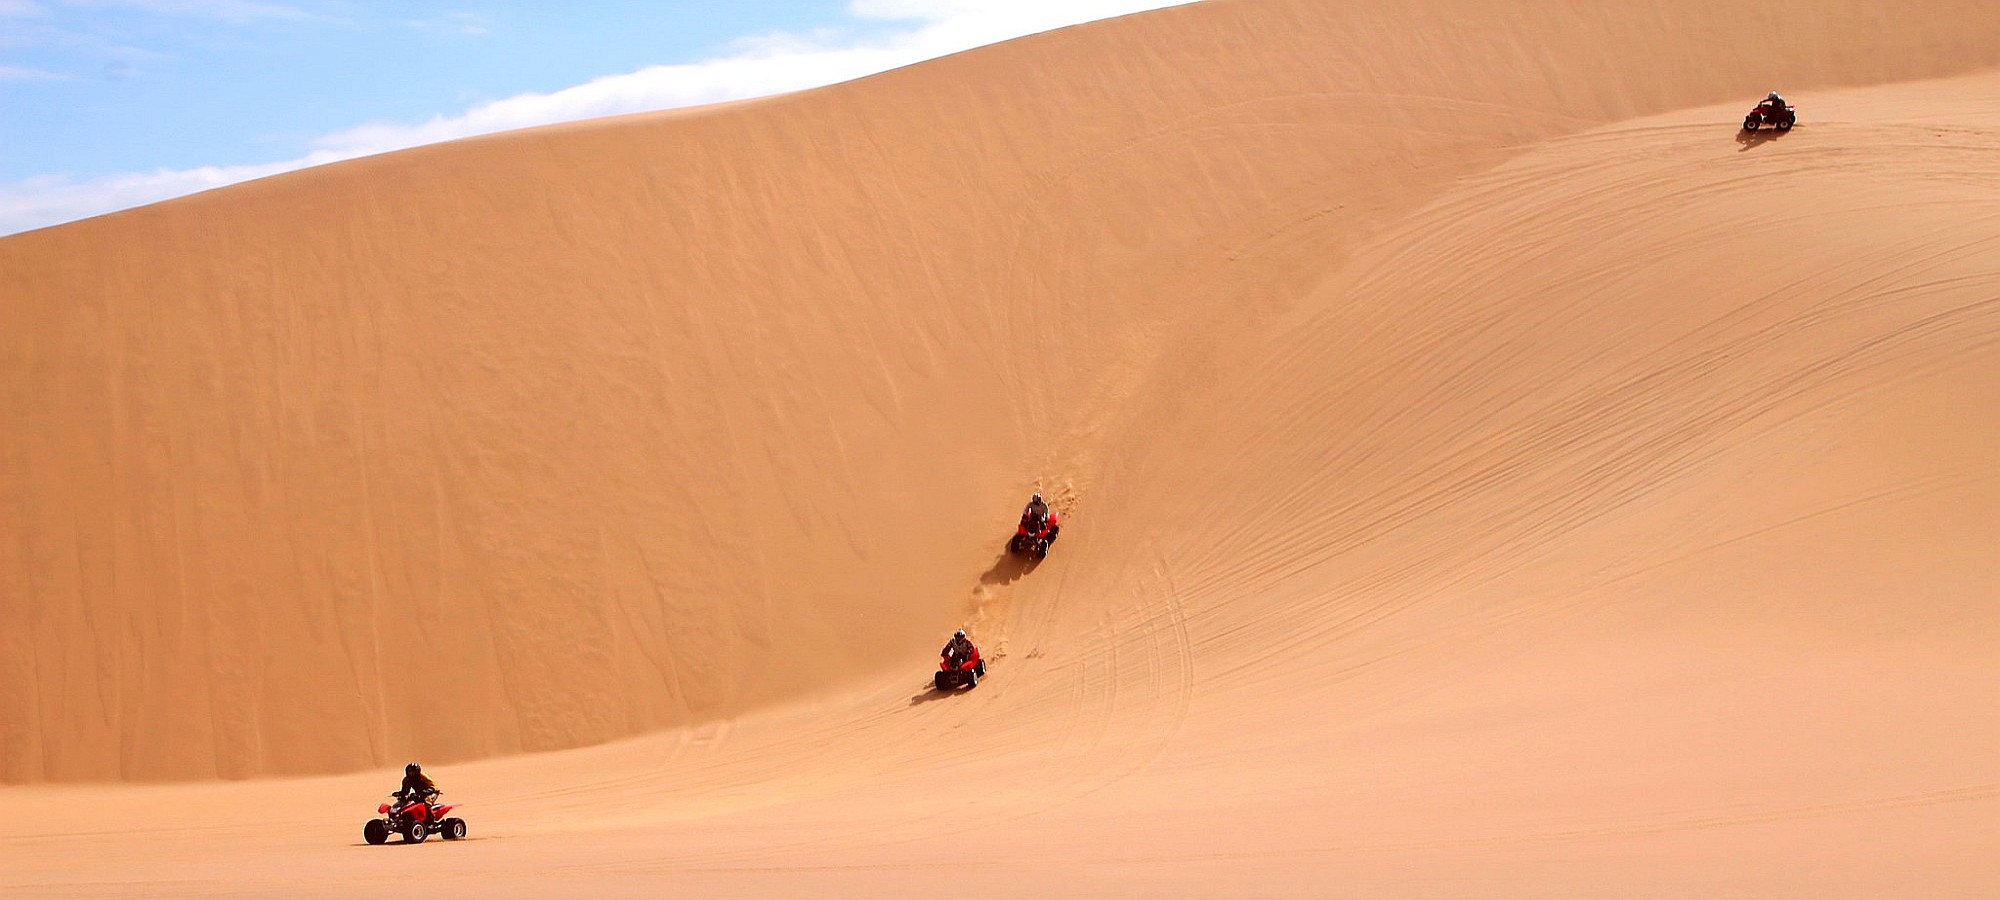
(375, 831)
(415, 832)
(939, 681)
(452, 829)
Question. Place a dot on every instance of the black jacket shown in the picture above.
(417, 787)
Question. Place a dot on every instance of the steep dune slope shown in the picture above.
(539, 440)
(1690, 595)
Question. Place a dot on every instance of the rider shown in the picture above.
(1036, 513)
(417, 787)
(959, 647)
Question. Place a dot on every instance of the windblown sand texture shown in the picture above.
(1487, 474)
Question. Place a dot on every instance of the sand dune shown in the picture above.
(1489, 474)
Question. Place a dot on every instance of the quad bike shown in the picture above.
(414, 821)
(1033, 537)
(959, 671)
(1767, 114)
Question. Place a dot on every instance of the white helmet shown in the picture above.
(1773, 96)
(958, 634)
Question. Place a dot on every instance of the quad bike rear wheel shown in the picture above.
(1784, 124)
(415, 832)
(375, 831)
(452, 829)
(1750, 123)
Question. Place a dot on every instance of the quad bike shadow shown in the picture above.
(930, 695)
(1754, 139)
(1009, 568)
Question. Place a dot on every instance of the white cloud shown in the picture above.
(470, 24)
(17, 73)
(235, 11)
(756, 66)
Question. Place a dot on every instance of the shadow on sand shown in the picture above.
(1758, 138)
(399, 842)
(929, 694)
(1009, 568)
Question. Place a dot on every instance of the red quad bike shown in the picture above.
(1763, 114)
(1034, 538)
(414, 822)
(956, 672)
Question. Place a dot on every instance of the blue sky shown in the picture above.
(106, 104)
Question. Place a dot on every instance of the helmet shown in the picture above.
(1036, 497)
(412, 769)
(1772, 96)
(958, 634)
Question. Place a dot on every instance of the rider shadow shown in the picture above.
(1758, 138)
(399, 842)
(1009, 568)
(930, 694)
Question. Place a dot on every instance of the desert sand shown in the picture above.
(1487, 473)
